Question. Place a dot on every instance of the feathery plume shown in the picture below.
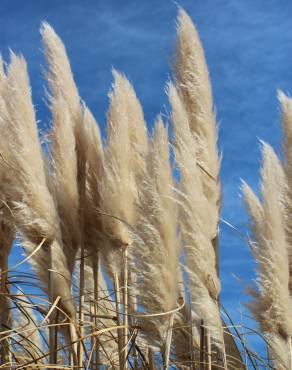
(2, 75)
(194, 88)
(61, 83)
(195, 214)
(254, 207)
(286, 112)
(26, 187)
(65, 187)
(95, 156)
(59, 74)
(124, 166)
(2, 86)
(157, 249)
(118, 188)
(137, 130)
(94, 238)
(271, 305)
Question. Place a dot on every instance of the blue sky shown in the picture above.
(248, 45)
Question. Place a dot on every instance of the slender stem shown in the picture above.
(168, 342)
(290, 352)
(208, 349)
(52, 328)
(81, 305)
(125, 299)
(96, 303)
(56, 319)
(118, 313)
(4, 311)
(73, 349)
(192, 354)
(81, 175)
(224, 351)
(202, 345)
(133, 308)
(91, 361)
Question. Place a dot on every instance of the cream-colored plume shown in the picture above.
(195, 216)
(94, 238)
(158, 246)
(2, 75)
(194, 88)
(59, 74)
(64, 163)
(137, 129)
(95, 156)
(272, 304)
(124, 155)
(26, 189)
(279, 355)
(286, 112)
(62, 85)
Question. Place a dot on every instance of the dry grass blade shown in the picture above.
(81, 339)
